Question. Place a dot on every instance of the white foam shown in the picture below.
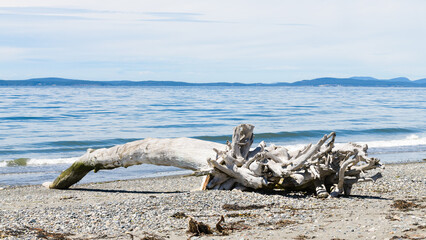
(412, 140)
(295, 147)
(44, 161)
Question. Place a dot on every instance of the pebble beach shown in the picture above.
(394, 207)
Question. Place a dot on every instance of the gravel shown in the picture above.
(159, 208)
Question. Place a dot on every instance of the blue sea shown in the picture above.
(50, 127)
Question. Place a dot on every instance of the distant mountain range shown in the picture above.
(327, 81)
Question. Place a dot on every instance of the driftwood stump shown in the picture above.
(323, 167)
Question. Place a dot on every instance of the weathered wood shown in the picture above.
(311, 167)
(323, 167)
(186, 153)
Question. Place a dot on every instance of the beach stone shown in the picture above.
(104, 213)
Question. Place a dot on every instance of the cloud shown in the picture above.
(295, 25)
(46, 10)
(16, 13)
(180, 15)
(176, 17)
(39, 17)
(8, 54)
(250, 41)
(145, 72)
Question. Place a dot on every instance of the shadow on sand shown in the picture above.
(121, 191)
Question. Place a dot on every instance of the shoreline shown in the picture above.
(178, 173)
(392, 208)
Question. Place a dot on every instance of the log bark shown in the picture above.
(323, 167)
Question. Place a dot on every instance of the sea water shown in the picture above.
(48, 128)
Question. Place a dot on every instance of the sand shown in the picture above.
(159, 208)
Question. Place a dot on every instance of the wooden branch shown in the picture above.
(186, 153)
(242, 139)
(305, 168)
(321, 166)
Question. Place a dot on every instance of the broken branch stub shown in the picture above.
(322, 166)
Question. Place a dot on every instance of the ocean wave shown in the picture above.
(296, 135)
(88, 143)
(37, 161)
(52, 161)
(411, 140)
(27, 118)
(408, 141)
(64, 146)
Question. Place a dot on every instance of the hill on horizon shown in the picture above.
(325, 81)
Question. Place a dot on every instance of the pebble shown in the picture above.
(147, 205)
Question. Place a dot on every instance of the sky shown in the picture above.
(212, 41)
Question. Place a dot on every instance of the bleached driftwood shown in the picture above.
(322, 167)
(186, 153)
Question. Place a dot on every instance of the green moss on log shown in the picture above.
(71, 175)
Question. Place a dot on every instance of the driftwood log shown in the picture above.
(322, 167)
